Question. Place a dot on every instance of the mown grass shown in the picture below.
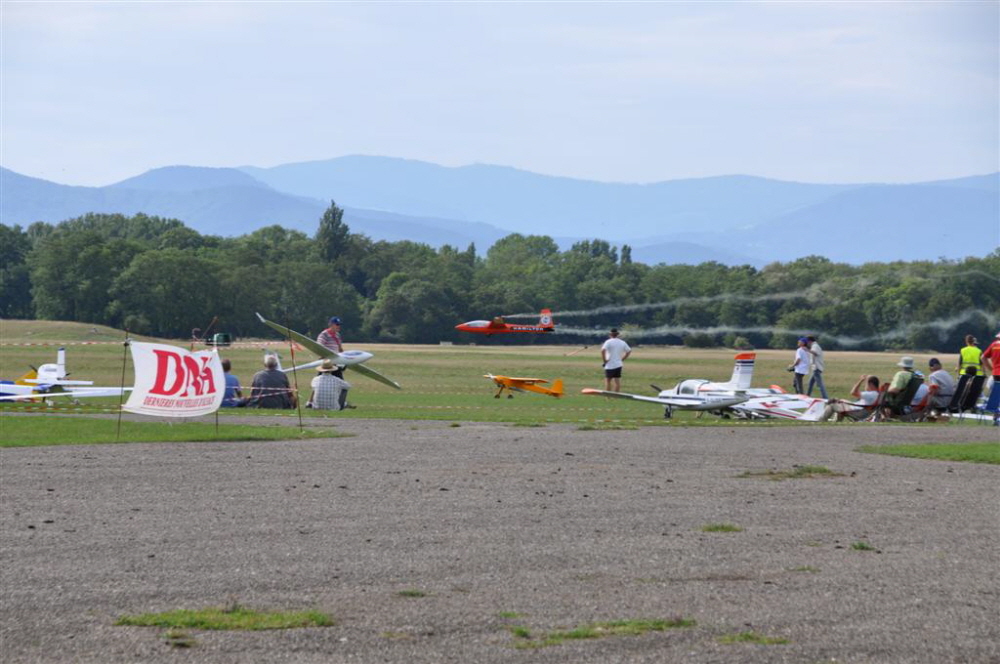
(596, 630)
(446, 383)
(721, 528)
(228, 618)
(39, 431)
(970, 452)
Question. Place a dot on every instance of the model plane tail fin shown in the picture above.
(557, 387)
(742, 371)
(545, 319)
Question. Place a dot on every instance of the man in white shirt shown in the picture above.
(944, 381)
(818, 367)
(800, 367)
(614, 352)
(854, 410)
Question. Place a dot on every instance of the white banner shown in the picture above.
(173, 382)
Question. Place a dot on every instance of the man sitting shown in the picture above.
(945, 383)
(903, 387)
(328, 391)
(854, 410)
(270, 388)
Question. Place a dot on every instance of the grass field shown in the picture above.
(445, 382)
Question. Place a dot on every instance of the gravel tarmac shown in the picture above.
(495, 526)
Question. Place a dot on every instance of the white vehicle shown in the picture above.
(49, 380)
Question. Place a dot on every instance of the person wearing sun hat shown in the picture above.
(991, 362)
(328, 391)
(903, 385)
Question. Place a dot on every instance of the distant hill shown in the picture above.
(530, 203)
(731, 219)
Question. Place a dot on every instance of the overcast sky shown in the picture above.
(93, 93)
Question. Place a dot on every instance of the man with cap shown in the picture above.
(328, 391)
(945, 384)
(330, 338)
(991, 362)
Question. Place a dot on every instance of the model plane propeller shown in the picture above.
(512, 384)
(352, 359)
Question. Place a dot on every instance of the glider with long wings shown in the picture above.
(351, 359)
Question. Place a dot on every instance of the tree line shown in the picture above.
(158, 277)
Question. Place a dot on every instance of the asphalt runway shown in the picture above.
(429, 542)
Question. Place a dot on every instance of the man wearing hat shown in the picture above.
(991, 362)
(903, 386)
(328, 391)
(330, 338)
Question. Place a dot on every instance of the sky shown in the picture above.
(92, 93)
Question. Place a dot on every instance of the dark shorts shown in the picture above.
(613, 373)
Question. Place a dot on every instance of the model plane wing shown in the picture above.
(679, 402)
(300, 338)
(351, 362)
(374, 375)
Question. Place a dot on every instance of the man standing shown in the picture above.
(330, 338)
(800, 367)
(614, 352)
(945, 384)
(818, 366)
(991, 362)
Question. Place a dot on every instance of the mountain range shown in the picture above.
(734, 219)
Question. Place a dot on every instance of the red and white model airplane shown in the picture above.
(734, 397)
(498, 326)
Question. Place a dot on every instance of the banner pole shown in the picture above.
(295, 375)
(121, 394)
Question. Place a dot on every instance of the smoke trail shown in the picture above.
(815, 293)
(650, 306)
(941, 326)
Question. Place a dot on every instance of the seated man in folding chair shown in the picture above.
(902, 388)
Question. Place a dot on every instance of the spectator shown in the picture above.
(970, 356)
(854, 410)
(800, 367)
(903, 387)
(233, 397)
(614, 352)
(328, 391)
(330, 339)
(945, 384)
(991, 362)
(270, 388)
(818, 367)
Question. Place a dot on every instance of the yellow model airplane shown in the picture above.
(525, 385)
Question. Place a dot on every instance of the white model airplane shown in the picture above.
(352, 359)
(49, 380)
(734, 397)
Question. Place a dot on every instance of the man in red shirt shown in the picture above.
(991, 363)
